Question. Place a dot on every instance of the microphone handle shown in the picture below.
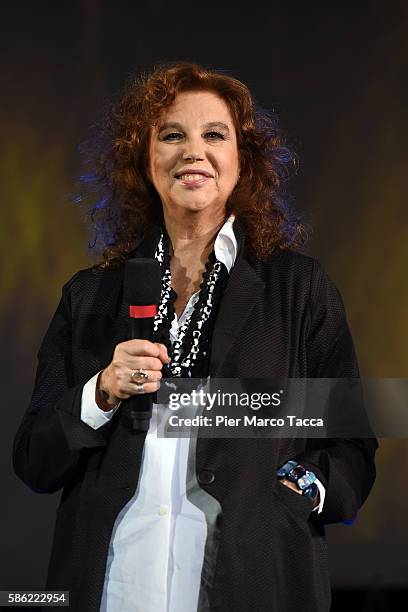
(140, 406)
(141, 328)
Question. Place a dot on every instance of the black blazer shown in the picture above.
(279, 318)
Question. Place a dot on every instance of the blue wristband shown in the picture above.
(303, 478)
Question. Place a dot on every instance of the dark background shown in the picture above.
(337, 77)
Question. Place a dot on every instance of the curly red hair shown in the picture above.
(126, 201)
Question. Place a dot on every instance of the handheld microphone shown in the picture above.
(142, 288)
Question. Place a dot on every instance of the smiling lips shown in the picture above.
(193, 178)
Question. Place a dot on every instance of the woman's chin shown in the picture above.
(195, 205)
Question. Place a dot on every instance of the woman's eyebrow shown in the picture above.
(178, 126)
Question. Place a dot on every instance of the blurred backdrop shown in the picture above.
(337, 78)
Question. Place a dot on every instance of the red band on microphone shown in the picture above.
(143, 312)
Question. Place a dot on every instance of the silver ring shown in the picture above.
(139, 376)
(139, 388)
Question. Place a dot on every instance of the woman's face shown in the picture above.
(195, 134)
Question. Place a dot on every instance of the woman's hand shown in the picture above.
(116, 383)
(291, 485)
(294, 487)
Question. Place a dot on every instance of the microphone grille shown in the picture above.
(142, 281)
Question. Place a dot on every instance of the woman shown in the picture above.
(189, 174)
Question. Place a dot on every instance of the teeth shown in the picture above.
(191, 177)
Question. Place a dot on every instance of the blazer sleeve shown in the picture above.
(52, 440)
(346, 467)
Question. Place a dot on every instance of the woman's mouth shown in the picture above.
(193, 180)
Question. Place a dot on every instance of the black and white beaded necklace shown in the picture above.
(190, 352)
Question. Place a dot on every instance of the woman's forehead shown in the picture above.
(205, 108)
(197, 103)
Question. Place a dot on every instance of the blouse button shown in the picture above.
(206, 477)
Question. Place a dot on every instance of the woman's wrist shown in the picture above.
(301, 478)
(104, 400)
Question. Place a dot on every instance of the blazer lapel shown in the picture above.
(241, 293)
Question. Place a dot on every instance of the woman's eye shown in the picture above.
(217, 134)
(168, 136)
(172, 134)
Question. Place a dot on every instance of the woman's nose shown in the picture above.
(193, 149)
(191, 156)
